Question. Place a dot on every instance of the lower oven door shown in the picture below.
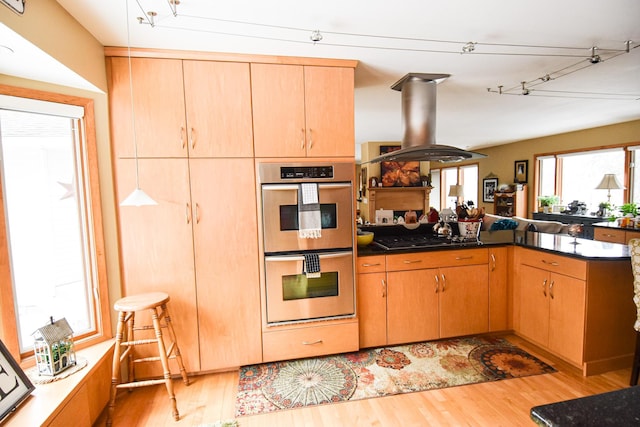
(292, 296)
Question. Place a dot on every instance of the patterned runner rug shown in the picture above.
(381, 372)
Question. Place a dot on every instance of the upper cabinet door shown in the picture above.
(278, 110)
(329, 111)
(302, 111)
(218, 103)
(158, 104)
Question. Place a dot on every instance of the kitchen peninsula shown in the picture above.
(572, 297)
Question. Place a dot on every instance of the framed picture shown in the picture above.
(520, 171)
(399, 174)
(489, 187)
(15, 386)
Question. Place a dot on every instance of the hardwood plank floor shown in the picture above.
(211, 397)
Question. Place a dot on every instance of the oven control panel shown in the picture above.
(306, 172)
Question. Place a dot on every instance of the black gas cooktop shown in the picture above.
(415, 241)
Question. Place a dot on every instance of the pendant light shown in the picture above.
(138, 197)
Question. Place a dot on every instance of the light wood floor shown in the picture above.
(503, 403)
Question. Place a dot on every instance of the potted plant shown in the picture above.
(546, 202)
(629, 209)
(604, 208)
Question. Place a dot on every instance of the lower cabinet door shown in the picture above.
(464, 300)
(372, 309)
(412, 306)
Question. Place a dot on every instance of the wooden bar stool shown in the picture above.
(156, 304)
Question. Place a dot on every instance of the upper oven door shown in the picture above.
(280, 217)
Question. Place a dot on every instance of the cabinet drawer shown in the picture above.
(448, 258)
(556, 263)
(610, 235)
(371, 264)
(310, 341)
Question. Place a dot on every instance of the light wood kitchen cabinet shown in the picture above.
(158, 102)
(464, 300)
(412, 306)
(428, 295)
(226, 262)
(614, 235)
(183, 108)
(156, 248)
(552, 311)
(372, 301)
(180, 247)
(302, 111)
(499, 269)
(218, 109)
(580, 310)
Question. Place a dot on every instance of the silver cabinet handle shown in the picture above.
(437, 283)
(310, 138)
(192, 138)
(555, 264)
(551, 289)
(408, 261)
(493, 262)
(311, 342)
(302, 139)
(371, 265)
(188, 211)
(460, 258)
(286, 258)
(384, 288)
(444, 282)
(544, 287)
(197, 214)
(183, 137)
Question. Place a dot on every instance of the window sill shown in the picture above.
(48, 401)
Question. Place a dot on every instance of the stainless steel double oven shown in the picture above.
(293, 295)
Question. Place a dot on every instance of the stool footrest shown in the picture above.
(141, 383)
(139, 342)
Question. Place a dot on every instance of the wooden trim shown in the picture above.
(229, 57)
(8, 329)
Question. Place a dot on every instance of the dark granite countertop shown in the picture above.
(615, 408)
(557, 243)
(614, 225)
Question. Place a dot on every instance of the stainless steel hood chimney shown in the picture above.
(419, 123)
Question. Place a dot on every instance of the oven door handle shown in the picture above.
(301, 258)
(289, 187)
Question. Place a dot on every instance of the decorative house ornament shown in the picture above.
(53, 347)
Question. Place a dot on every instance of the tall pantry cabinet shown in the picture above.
(195, 157)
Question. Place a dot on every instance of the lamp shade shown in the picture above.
(138, 198)
(609, 182)
(456, 191)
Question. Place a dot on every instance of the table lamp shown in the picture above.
(609, 182)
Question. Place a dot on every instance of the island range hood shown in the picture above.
(419, 123)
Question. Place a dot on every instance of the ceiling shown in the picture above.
(515, 42)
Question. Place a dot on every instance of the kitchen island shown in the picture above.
(571, 297)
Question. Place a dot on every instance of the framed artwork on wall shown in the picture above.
(489, 187)
(520, 171)
(399, 174)
(15, 386)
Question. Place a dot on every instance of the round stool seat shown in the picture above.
(141, 301)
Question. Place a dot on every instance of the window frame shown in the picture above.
(100, 294)
(444, 188)
(558, 155)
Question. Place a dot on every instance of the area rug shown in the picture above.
(381, 372)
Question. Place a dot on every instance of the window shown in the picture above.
(575, 176)
(443, 178)
(52, 220)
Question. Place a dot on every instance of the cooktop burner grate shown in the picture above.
(419, 241)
